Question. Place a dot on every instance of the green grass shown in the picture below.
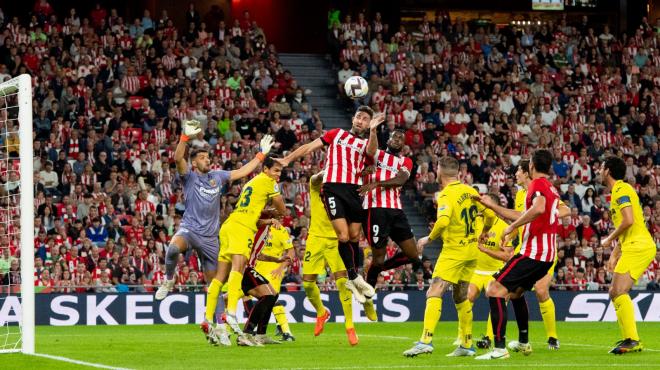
(161, 347)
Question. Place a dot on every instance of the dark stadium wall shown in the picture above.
(292, 25)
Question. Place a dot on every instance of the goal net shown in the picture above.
(16, 217)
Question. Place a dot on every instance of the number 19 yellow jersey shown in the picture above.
(459, 238)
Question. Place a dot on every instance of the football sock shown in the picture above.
(431, 318)
(548, 313)
(212, 295)
(359, 256)
(522, 318)
(346, 298)
(499, 313)
(248, 305)
(265, 316)
(234, 292)
(280, 317)
(314, 295)
(465, 316)
(347, 256)
(625, 314)
(489, 328)
(372, 274)
(261, 309)
(171, 257)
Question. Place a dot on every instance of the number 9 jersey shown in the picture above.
(460, 237)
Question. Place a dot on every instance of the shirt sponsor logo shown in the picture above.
(211, 192)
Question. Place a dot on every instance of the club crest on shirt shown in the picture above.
(212, 182)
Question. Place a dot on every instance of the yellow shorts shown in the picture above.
(235, 239)
(635, 261)
(453, 271)
(265, 269)
(481, 281)
(320, 251)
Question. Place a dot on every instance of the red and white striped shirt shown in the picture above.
(131, 84)
(260, 239)
(540, 236)
(387, 167)
(344, 158)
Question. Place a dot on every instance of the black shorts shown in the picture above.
(384, 223)
(522, 272)
(252, 279)
(343, 201)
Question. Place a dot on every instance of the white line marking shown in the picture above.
(77, 362)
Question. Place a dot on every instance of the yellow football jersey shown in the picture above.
(254, 197)
(459, 238)
(521, 199)
(637, 235)
(320, 224)
(486, 262)
(278, 241)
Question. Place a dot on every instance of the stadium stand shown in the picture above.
(110, 95)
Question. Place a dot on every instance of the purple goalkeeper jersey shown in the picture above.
(202, 196)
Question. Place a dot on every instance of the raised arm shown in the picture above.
(372, 144)
(190, 129)
(265, 145)
(502, 212)
(301, 152)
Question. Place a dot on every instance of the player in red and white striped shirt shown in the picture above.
(541, 224)
(385, 217)
(344, 164)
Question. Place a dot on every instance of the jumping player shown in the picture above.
(237, 237)
(202, 192)
(321, 250)
(344, 164)
(385, 216)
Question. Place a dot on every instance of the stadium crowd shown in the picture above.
(110, 94)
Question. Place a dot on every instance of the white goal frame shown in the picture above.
(26, 155)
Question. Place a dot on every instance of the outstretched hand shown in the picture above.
(377, 119)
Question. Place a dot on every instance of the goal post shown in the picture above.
(18, 205)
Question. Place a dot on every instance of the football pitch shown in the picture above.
(161, 347)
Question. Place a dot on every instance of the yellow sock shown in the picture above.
(280, 317)
(489, 329)
(625, 314)
(346, 299)
(431, 318)
(464, 310)
(314, 295)
(212, 298)
(234, 293)
(549, 321)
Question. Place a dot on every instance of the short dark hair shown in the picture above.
(366, 109)
(196, 151)
(617, 167)
(542, 160)
(523, 164)
(269, 162)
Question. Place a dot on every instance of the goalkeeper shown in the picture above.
(202, 189)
